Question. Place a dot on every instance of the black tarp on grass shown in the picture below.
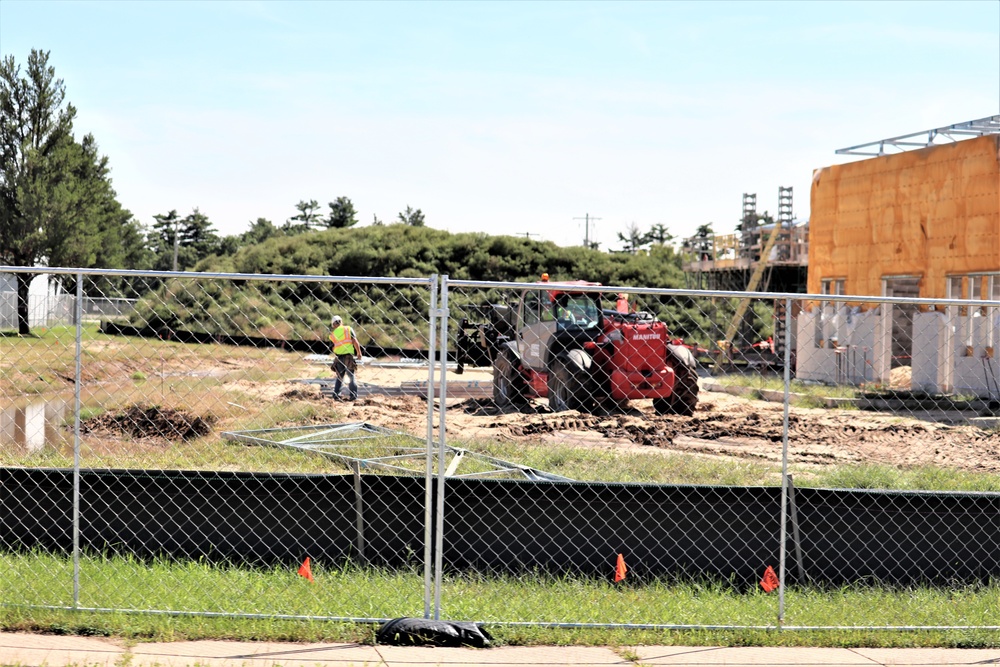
(256, 519)
(510, 527)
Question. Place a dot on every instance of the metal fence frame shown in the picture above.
(786, 479)
(435, 481)
(435, 371)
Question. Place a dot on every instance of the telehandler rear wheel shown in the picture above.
(508, 385)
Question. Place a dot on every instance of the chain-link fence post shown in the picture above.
(784, 462)
(78, 316)
(429, 470)
(442, 395)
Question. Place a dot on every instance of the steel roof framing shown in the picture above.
(956, 132)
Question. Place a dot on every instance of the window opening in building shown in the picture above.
(902, 316)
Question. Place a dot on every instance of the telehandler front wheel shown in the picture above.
(684, 399)
(569, 384)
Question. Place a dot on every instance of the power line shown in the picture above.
(586, 230)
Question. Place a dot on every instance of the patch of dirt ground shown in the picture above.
(271, 391)
(723, 425)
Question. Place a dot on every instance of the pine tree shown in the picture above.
(342, 214)
(57, 206)
(179, 243)
(414, 218)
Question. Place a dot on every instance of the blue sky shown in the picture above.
(502, 117)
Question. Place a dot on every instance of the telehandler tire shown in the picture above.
(508, 385)
(569, 383)
(684, 399)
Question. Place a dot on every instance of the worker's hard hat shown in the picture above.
(336, 320)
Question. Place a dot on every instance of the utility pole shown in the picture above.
(528, 235)
(586, 229)
(176, 242)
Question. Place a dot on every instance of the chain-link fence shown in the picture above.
(558, 453)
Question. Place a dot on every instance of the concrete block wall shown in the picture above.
(838, 345)
(951, 353)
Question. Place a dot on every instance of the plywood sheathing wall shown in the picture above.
(929, 212)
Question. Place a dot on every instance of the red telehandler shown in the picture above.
(558, 341)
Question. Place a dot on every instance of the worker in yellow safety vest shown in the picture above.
(346, 354)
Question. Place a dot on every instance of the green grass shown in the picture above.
(589, 464)
(805, 390)
(928, 478)
(86, 413)
(32, 362)
(813, 395)
(347, 590)
(42, 362)
(45, 360)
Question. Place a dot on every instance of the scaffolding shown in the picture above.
(728, 261)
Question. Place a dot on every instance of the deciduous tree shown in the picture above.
(260, 230)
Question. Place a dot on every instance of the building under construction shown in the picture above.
(768, 255)
(918, 218)
(764, 255)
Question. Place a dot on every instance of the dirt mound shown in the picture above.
(301, 393)
(147, 421)
(900, 377)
